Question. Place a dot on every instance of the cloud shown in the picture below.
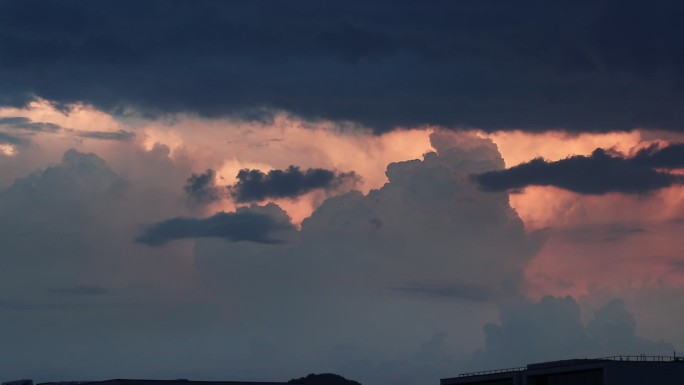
(121, 135)
(391, 285)
(599, 173)
(6, 138)
(255, 185)
(78, 174)
(552, 329)
(12, 120)
(19, 122)
(579, 66)
(669, 157)
(255, 224)
(202, 189)
(66, 232)
(26, 124)
(375, 275)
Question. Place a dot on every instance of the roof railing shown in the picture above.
(507, 370)
(644, 358)
(639, 358)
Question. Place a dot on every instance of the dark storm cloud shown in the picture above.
(475, 293)
(202, 189)
(599, 173)
(121, 135)
(583, 66)
(255, 185)
(243, 225)
(671, 156)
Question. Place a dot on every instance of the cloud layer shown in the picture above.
(392, 285)
(584, 66)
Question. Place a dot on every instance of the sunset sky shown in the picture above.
(392, 191)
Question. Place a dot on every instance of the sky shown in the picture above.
(391, 191)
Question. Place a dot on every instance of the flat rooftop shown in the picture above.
(570, 365)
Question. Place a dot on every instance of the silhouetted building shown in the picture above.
(619, 370)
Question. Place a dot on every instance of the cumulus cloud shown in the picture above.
(552, 329)
(579, 66)
(366, 269)
(599, 173)
(73, 279)
(255, 185)
(390, 286)
(255, 224)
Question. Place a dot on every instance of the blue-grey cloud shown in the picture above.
(246, 224)
(582, 66)
(121, 135)
(599, 173)
(13, 120)
(6, 138)
(20, 122)
(255, 185)
(202, 189)
(552, 329)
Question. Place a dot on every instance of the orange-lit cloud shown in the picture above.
(517, 146)
(228, 146)
(584, 236)
(614, 243)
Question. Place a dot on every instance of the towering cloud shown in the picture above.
(552, 329)
(365, 270)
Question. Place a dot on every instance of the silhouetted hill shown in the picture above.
(323, 379)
